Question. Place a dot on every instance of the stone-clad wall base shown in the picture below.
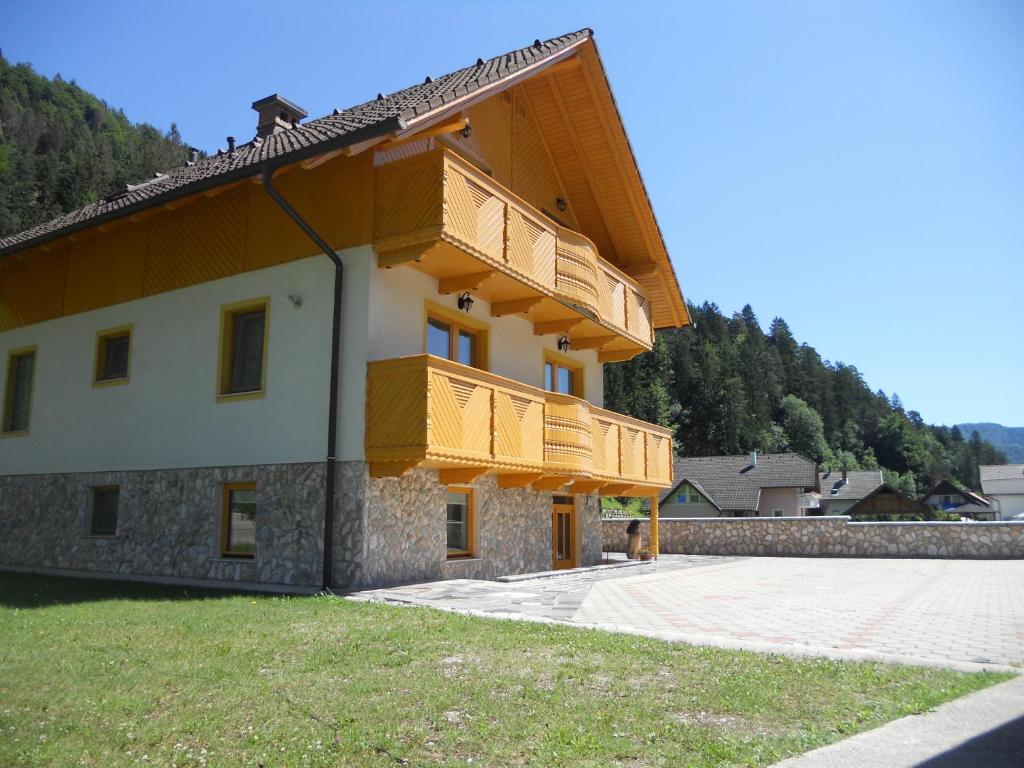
(392, 530)
(825, 537)
(169, 523)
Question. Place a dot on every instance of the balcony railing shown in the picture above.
(438, 212)
(425, 411)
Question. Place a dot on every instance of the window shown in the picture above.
(243, 351)
(113, 351)
(460, 522)
(454, 339)
(105, 501)
(238, 527)
(776, 513)
(562, 374)
(21, 364)
(694, 497)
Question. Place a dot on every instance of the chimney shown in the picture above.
(231, 145)
(276, 114)
(193, 155)
(753, 458)
(844, 477)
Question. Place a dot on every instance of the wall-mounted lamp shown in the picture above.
(295, 299)
(563, 343)
(467, 131)
(465, 302)
(561, 203)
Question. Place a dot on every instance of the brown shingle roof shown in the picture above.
(343, 128)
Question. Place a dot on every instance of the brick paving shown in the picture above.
(946, 612)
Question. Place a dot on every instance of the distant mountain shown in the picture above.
(1009, 440)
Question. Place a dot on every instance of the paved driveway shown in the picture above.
(948, 612)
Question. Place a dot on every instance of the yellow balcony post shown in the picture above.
(654, 525)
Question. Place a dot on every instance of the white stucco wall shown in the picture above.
(786, 499)
(1010, 505)
(167, 415)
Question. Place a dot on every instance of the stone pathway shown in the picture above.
(959, 613)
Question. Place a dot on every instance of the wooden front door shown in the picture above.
(563, 533)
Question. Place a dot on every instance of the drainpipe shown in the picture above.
(332, 417)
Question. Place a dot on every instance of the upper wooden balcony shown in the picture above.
(424, 411)
(438, 213)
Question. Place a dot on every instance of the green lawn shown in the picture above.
(105, 674)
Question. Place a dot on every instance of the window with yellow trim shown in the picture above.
(21, 364)
(113, 355)
(453, 339)
(243, 352)
(238, 522)
(563, 376)
(460, 522)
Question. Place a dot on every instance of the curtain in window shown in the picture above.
(21, 383)
(247, 351)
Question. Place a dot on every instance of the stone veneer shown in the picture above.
(387, 530)
(392, 530)
(168, 524)
(824, 537)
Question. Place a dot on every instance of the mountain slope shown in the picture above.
(1009, 440)
(61, 147)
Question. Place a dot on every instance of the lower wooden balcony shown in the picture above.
(424, 411)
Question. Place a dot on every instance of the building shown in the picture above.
(359, 350)
(1004, 484)
(841, 489)
(754, 485)
(946, 497)
(885, 502)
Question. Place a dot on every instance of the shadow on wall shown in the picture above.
(1002, 746)
(25, 591)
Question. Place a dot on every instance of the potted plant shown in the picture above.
(646, 553)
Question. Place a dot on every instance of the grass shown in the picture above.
(104, 674)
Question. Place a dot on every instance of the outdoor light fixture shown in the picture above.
(467, 131)
(560, 202)
(295, 299)
(465, 302)
(563, 343)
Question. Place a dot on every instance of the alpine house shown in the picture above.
(353, 351)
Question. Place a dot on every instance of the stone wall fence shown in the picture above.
(823, 537)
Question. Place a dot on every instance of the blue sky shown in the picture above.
(855, 167)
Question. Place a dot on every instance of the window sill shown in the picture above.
(235, 559)
(463, 559)
(109, 383)
(102, 536)
(232, 396)
(20, 433)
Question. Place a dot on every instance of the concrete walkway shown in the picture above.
(967, 614)
(983, 729)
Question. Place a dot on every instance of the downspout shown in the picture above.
(332, 417)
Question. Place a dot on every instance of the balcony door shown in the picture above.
(563, 533)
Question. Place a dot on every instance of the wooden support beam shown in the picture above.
(618, 355)
(594, 342)
(450, 125)
(399, 256)
(518, 481)
(616, 489)
(556, 326)
(565, 65)
(515, 307)
(640, 269)
(390, 468)
(654, 543)
(550, 483)
(460, 475)
(313, 162)
(588, 486)
(461, 283)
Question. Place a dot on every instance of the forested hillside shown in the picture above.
(727, 387)
(61, 147)
(1009, 440)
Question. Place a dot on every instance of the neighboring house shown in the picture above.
(841, 489)
(195, 389)
(1004, 484)
(946, 497)
(754, 485)
(886, 501)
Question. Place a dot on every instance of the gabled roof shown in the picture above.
(1002, 479)
(732, 483)
(906, 504)
(382, 117)
(945, 488)
(858, 484)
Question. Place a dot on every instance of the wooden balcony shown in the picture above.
(424, 411)
(437, 213)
